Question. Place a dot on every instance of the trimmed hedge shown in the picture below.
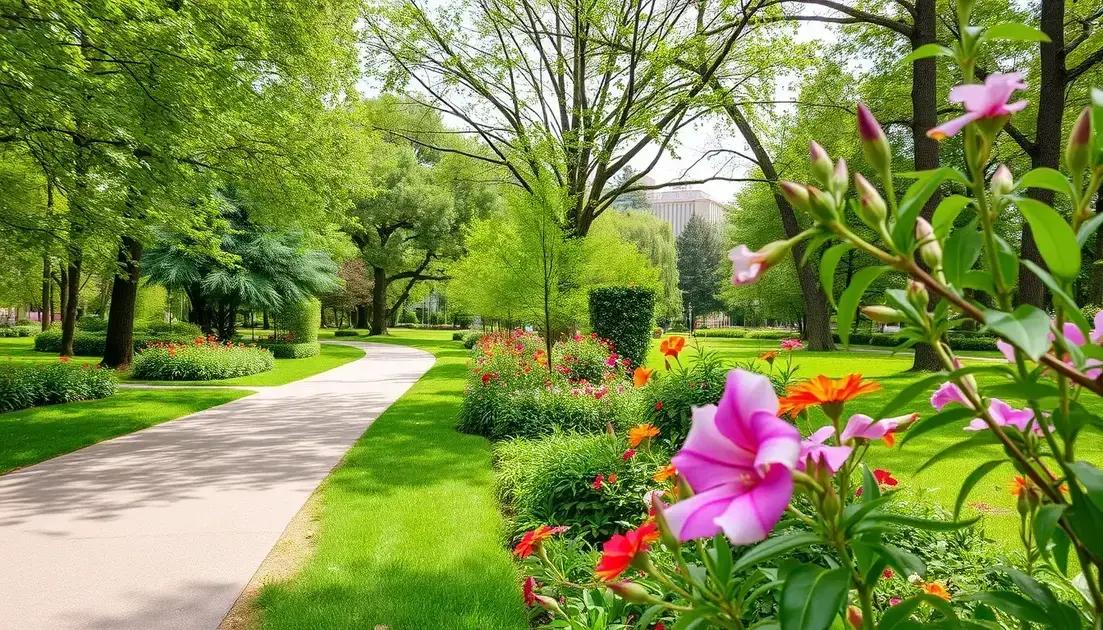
(301, 320)
(624, 316)
(91, 344)
(472, 338)
(92, 323)
(294, 350)
(346, 332)
(200, 362)
(18, 331)
(457, 336)
(28, 385)
(957, 341)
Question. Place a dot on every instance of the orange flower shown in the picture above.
(618, 553)
(824, 391)
(1019, 484)
(641, 376)
(664, 473)
(938, 589)
(532, 539)
(671, 346)
(541, 357)
(641, 432)
(768, 356)
(65, 359)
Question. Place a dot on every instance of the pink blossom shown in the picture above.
(747, 266)
(861, 426)
(982, 101)
(1005, 416)
(893, 601)
(814, 451)
(948, 393)
(1073, 336)
(791, 344)
(738, 459)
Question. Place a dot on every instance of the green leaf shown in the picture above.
(1027, 327)
(954, 415)
(1048, 179)
(909, 393)
(1011, 603)
(981, 438)
(1014, 32)
(650, 615)
(1092, 479)
(848, 302)
(812, 597)
(903, 231)
(1097, 123)
(1045, 522)
(1055, 238)
(1087, 228)
(1007, 262)
(971, 480)
(828, 263)
(903, 561)
(871, 490)
(1071, 309)
(1027, 390)
(961, 253)
(927, 50)
(947, 212)
(772, 547)
(898, 617)
(927, 524)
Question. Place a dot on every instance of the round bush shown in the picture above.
(294, 350)
(346, 332)
(200, 361)
(28, 385)
(624, 316)
(301, 320)
(18, 331)
(158, 328)
(92, 323)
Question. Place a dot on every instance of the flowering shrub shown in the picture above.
(588, 358)
(28, 385)
(203, 359)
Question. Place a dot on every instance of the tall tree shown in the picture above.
(700, 261)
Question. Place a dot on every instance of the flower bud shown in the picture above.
(870, 204)
(549, 604)
(774, 252)
(929, 249)
(632, 592)
(1079, 145)
(795, 194)
(839, 178)
(854, 617)
(883, 314)
(917, 295)
(821, 206)
(820, 163)
(1002, 182)
(875, 145)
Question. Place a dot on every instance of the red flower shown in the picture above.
(887, 574)
(884, 477)
(659, 405)
(618, 553)
(529, 588)
(629, 454)
(532, 539)
(599, 481)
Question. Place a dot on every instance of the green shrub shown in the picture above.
(18, 331)
(471, 338)
(550, 481)
(200, 361)
(346, 332)
(28, 385)
(769, 333)
(92, 323)
(91, 344)
(155, 328)
(957, 341)
(624, 316)
(726, 333)
(294, 350)
(301, 320)
(667, 401)
(585, 358)
(457, 336)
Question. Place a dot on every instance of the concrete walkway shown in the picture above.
(164, 527)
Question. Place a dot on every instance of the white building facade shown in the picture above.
(677, 205)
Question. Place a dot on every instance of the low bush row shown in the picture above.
(957, 341)
(746, 333)
(201, 360)
(91, 344)
(346, 332)
(18, 330)
(25, 385)
(294, 350)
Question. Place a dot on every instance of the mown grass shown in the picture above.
(29, 436)
(410, 535)
(991, 498)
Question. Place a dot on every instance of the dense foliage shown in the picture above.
(31, 384)
(624, 316)
(204, 359)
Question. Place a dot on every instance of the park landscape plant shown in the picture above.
(761, 513)
(203, 359)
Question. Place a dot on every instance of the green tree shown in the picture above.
(700, 260)
(654, 238)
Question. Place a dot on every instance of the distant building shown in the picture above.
(676, 205)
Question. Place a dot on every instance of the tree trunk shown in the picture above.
(379, 302)
(361, 316)
(46, 312)
(1047, 139)
(925, 117)
(119, 348)
(71, 295)
(264, 317)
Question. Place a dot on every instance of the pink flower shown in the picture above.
(861, 426)
(982, 101)
(747, 266)
(1093, 367)
(814, 451)
(893, 601)
(629, 454)
(1005, 416)
(738, 458)
(599, 481)
(791, 344)
(948, 393)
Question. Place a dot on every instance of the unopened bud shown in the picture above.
(820, 163)
(839, 178)
(1002, 182)
(821, 206)
(883, 314)
(549, 604)
(875, 145)
(854, 617)
(632, 592)
(796, 194)
(870, 204)
(670, 540)
(929, 249)
(1078, 149)
(917, 295)
(774, 252)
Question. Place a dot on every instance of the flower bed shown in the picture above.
(29, 385)
(204, 359)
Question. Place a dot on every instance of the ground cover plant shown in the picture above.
(32, 384)
(204, 359)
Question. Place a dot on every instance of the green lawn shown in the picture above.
(410, 535)
(32, 435)
(991, 497)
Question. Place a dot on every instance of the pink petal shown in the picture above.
(708, 458)
(973, 96)
(696, 516)
(750, 517)
(976, 424)
(951, 127)
(1097, 331)
(1005, 414)
(946, 394)
(856, 427)
(747, 266)
(1006, 349)
(820, 436)
(778, 442)
(745, 394)
(1073, 334)
(1017, 106)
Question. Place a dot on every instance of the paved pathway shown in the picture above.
(164, 527)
